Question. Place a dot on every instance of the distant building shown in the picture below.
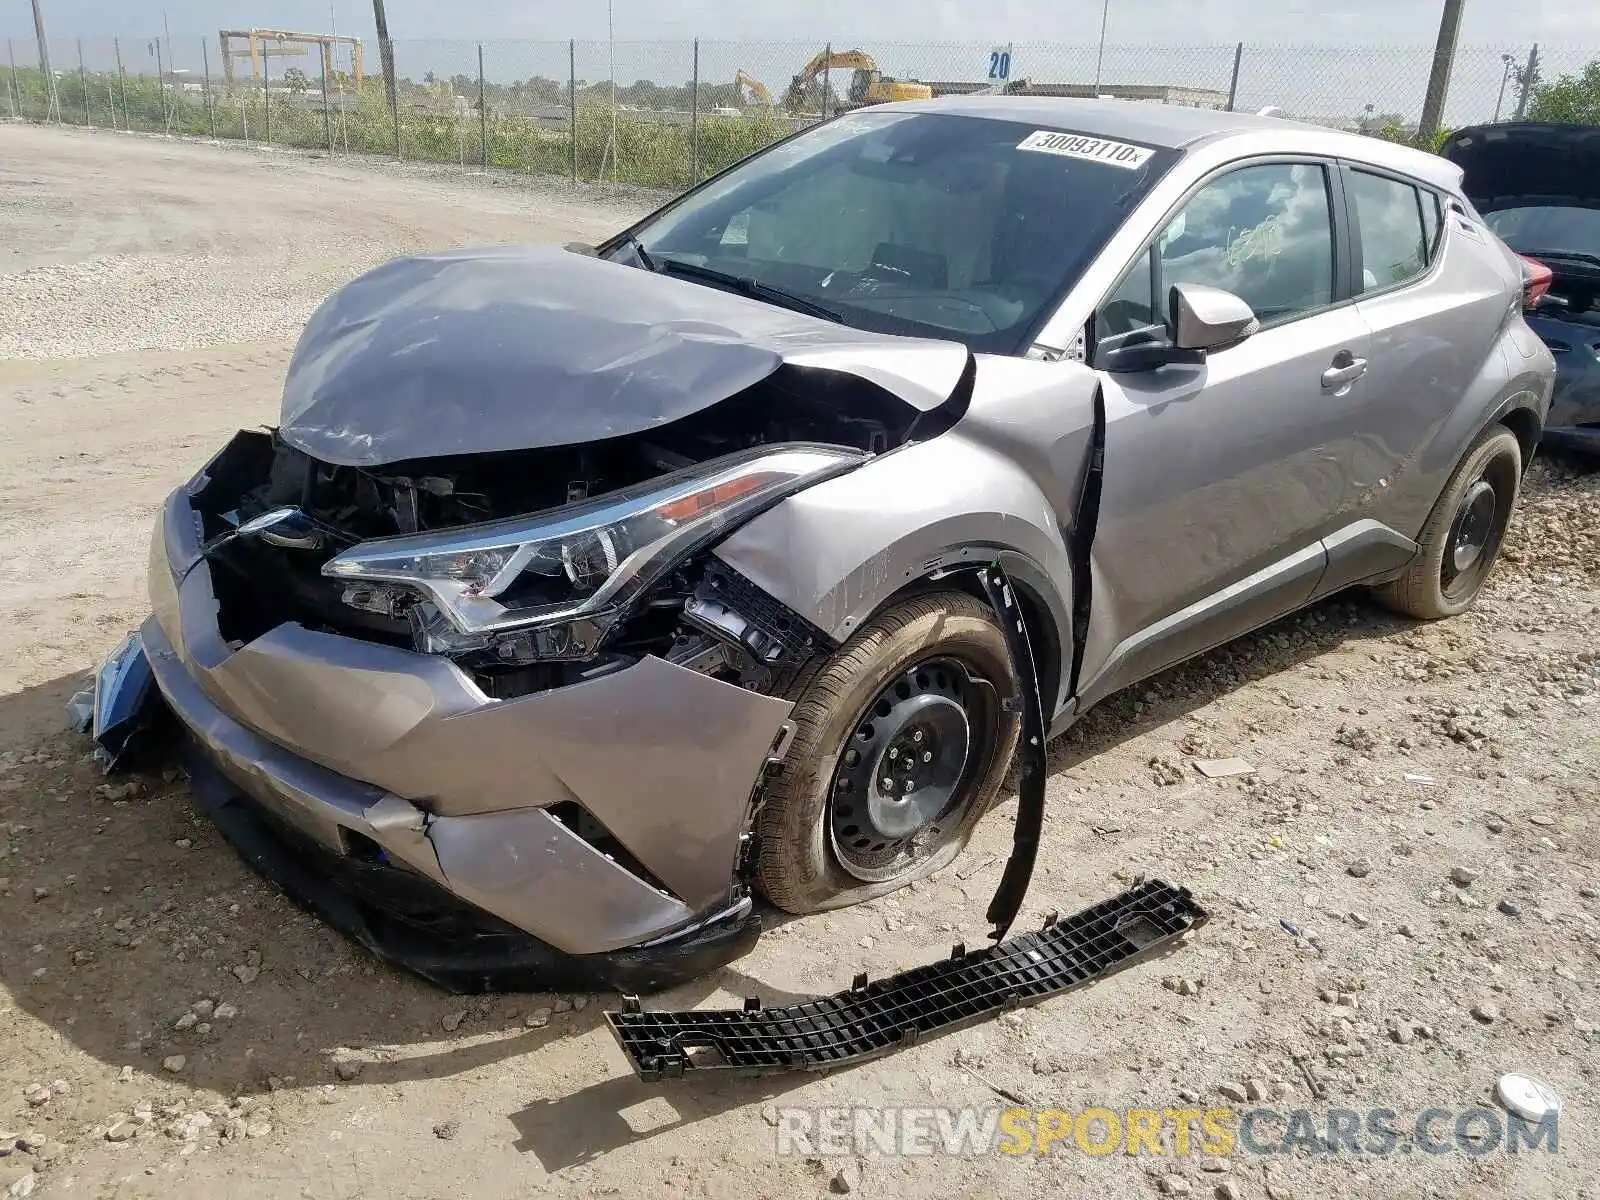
(1161, 93)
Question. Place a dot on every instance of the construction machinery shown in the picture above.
(867, 84)
(262, 45)
(752, 91)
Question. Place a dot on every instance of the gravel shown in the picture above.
(1465, 744)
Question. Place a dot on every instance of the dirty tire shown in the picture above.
(1425, 591)
(797, 868)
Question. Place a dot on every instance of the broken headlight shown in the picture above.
(575, 564)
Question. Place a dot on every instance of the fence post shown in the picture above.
(1233, 87)
(483, 113)
(694, 121)
(1532, 77)
(13, 98)
(83, 85)
(827, 78)
(572, 103)
(161, 83)
(211, 104)
(327, 115)
(392, 82)
(266, 98)
(122, 83)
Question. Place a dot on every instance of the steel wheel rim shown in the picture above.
(1478, 528)
(876, 825)
(1471, 530)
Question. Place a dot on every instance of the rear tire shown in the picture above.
(932, 668)
(1463, 534)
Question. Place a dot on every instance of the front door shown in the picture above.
(1220, 479)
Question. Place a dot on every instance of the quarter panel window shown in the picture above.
(1430, 222)
(1264, 233)
(1132, 306)
(1394, 238)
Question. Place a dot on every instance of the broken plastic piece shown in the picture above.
(120, 704)
(1031, 761)
(900, 1010)
(80, 709)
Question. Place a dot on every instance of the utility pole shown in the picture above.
(44, 59)
(1529, 81)
(386, 53)
(1444, 58)
(1100, 58)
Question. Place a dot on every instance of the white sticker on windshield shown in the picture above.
(1075, 145)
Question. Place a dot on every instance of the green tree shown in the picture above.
(297, 81)
(1570, 100)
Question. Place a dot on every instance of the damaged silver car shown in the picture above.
(582, 594)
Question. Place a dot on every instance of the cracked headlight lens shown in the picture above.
(576, 562)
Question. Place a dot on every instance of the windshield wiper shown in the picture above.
(643, 255)
(750, 287)
(1570, 255)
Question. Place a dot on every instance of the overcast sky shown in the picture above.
(1168, 22)
(1318, 59)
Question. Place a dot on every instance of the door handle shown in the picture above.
(1345, 371)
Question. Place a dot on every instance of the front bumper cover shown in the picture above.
(407, 919)
(356, 750)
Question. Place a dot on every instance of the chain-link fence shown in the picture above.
(665, 114)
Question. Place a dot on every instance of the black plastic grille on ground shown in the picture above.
(874, 1018)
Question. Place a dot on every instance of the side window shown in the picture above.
(1132, 306)
(1394, 239)
(1430, 222)
(1264, 233)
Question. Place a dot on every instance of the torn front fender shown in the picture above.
(516, 348)
(1002, 484)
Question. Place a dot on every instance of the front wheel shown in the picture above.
(901, 745)
(1463, 534)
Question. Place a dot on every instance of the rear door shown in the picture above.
(1435, 315)
(1220, 479)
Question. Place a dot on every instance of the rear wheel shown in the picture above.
(900, 747)
(1462, 538)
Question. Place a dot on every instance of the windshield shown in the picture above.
(924, 224)
(1548, 227)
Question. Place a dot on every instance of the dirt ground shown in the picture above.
(150, 294)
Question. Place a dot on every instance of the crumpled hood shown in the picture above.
(516, 348)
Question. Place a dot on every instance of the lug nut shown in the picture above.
(893, 753)
(916, 736)
(888, 784)
(927, 756)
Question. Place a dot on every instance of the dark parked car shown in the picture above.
(582, 593)
(1538, 187)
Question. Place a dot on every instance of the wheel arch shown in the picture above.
(1050, 643)
(1523, 420)
(840, 552)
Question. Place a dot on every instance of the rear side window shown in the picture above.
(1394, 239)
(1430, 222)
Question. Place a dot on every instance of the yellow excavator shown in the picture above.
(751, 90)
(867, 84)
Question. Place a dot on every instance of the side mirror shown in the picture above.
(1145, 353)
(1206, 318)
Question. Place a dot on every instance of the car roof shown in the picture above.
(1180, 127)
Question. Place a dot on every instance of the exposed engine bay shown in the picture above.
(272, 517)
